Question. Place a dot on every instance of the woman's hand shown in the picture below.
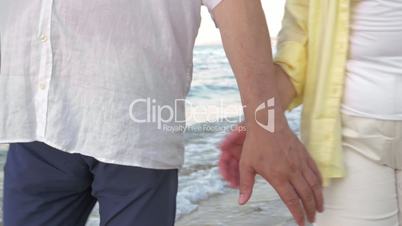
(231, 148)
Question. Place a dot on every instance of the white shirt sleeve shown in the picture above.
(211, 4)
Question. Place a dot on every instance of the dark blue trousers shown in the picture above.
(44, 186)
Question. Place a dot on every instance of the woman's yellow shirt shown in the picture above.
(312, 49)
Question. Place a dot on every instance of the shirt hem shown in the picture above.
(101, 159)
(352, 112)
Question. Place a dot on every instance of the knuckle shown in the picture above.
(305, 192)
(316, 185)
(276, 173)
(309, 197)
(243, 186)
(293, 167)
(278, 182)
(243, 164)
(299, 218)
(292, 202)
(279, 179)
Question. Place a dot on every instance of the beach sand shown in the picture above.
(264, 209)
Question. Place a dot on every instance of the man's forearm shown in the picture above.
(247, 44)
(279, 157)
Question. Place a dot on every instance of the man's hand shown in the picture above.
(283, 161)
(232, 145)
(231, 152)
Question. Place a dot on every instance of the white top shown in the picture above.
(374, 68)
(75, 75)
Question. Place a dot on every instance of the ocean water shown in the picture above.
(213, 85)
(214, 92)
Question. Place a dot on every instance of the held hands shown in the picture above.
(279, 158)
(231, 146)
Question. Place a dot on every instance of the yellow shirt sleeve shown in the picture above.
(291, 52)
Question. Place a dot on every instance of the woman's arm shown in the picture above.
(291, 53)
(287, 91)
